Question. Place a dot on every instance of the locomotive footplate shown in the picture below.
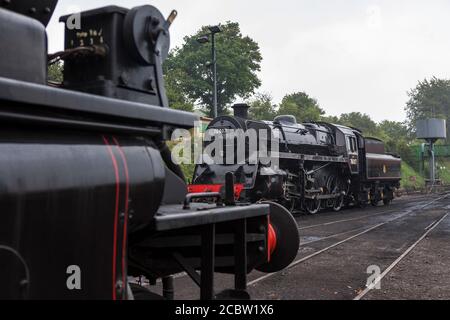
(171, 217)
(207, 237)
(35, 103)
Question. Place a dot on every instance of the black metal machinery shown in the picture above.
(320, 165)
(86, 180)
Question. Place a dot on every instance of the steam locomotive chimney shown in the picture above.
(241, 110)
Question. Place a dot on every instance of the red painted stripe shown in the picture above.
(125, 224)
(116, 214)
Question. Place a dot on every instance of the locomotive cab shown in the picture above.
(351, 147)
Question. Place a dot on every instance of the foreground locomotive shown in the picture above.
(319, 165)
(89, 194)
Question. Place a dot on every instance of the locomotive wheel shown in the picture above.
(375, 198)
(287, 239)
(338, 203)
(289, 204)
(312, 206)
(388, 196)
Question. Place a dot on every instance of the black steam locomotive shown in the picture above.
(320, 165)
(89, 195)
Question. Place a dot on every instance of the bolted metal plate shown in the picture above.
(40, 10)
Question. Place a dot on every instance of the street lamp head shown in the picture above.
(203, 39)
(215, 29)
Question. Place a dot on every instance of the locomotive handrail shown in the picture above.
(190, 196)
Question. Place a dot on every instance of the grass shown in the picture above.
(443, 171)
(407, 181)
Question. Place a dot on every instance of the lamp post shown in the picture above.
(205, 39)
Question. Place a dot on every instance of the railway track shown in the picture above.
(367, 230)
(351, 219)
(345, 220)
(428, 229)
(368, 216)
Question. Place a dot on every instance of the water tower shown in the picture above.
(431, 130)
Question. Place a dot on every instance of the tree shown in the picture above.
(262, 107)
(330, 119)
(394, 129)
(429, 99)
(360, 121)
(177, 99)
(302, 106)
(238, 61)
(395, 136)
(55, 72)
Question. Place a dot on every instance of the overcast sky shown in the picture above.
(351, 55)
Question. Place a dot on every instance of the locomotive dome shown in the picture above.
(287, 119)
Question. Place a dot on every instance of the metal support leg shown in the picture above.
(240, 255)
(229, 189)
(168, 291)
(186, 267)
(208, 256)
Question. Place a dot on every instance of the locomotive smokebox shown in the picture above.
(241, 110)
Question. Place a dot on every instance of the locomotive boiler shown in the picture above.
(89, 195)
(319, 165)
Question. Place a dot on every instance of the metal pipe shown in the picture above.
(432, 164)
(168, 289)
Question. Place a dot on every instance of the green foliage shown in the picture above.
(330, 119)
(177, 98)
(360, 121)
(394, 129)
(396, 137)
(262, 107)
(429, 99)
(238, 61)
(302, 106)
(443, 169)
(188, 171)
(55, 72)
(407, 173)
